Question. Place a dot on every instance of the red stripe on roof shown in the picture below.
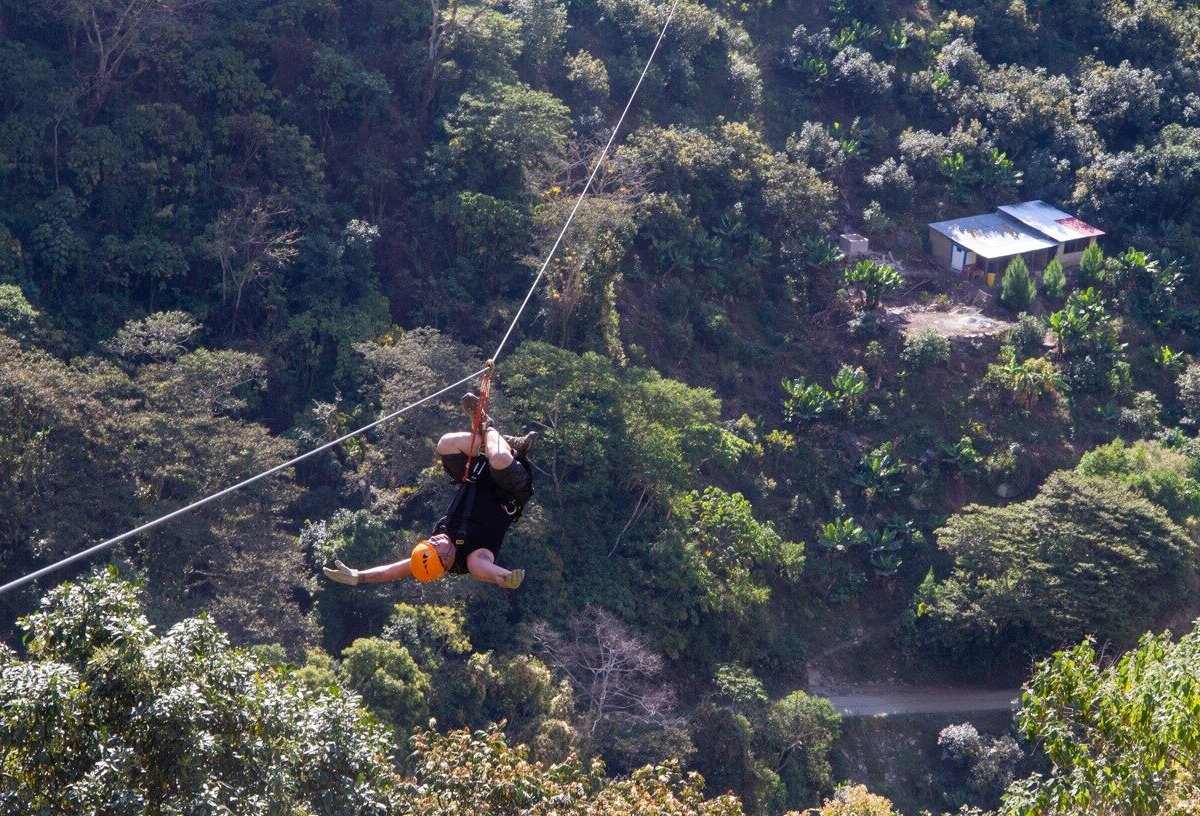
(1084, 229)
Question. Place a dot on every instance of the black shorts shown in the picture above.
(511, 478)
(484, 529)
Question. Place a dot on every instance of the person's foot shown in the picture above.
(470, 404)
(521, 445)
(513, 579)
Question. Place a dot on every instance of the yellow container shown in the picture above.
(991, 278)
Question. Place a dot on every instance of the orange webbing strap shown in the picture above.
(485, 391)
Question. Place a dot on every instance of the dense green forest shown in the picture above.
(232, 230)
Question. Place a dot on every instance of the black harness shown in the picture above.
(464, 501)
(513, 503)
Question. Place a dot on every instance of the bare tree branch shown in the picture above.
(615, 675)
(250, 243)
(117, 29)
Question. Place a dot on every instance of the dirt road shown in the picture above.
(883, 701)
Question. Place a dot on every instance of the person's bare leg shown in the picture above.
(451, 443)
(498, 453)
(483, 567)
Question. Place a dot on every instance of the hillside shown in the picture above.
(233, 230)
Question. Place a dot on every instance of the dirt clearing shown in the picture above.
(957, 321)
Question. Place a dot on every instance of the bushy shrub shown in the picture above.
(988, 763)
(1027, 336)
(890, 181)
(16, 314)
(1166, 477)
(925, 350)
(1189, 392)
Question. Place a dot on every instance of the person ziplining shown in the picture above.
(495, 481)
(471, 537)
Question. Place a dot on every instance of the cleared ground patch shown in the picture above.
(957, 321)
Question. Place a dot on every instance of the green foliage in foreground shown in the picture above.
(105, 716)
(1122, 739)
(856, 800)
(480, 774)
(1086, 556)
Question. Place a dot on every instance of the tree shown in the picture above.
(1091, 266)
(160, 337)
(800, 732)
(726, 754)
(121, 32)
(445, 28)
(389, 680)
(494, 134)
(615, 675)
(1054, 280)
(490, 778)
(543, 23)
(104, 715)
(400, 368)
(1119, 101)
(1017, 287)
(856, 800)
(1121, 737)
(584, 277)
(90, 451)
(251, 243)
(714, 565)
(874, 280)
(1086, 556)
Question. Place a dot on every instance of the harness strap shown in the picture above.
(464, 500)
(485, 392)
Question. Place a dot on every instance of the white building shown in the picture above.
(986, 243)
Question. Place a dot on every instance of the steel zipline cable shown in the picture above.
(588, 186)
(104, 545)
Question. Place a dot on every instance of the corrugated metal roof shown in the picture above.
(1050, 220)
(992, 235)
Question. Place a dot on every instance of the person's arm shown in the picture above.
(373, 575)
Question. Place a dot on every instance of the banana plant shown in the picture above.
(841, 535)
(805, 402)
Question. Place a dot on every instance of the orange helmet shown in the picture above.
(426, 565)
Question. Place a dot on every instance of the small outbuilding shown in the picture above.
(1035, 230)
(853, 245)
